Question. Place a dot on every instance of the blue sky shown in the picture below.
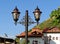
(6, 7)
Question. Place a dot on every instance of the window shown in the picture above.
(35, 42)
(56, 38)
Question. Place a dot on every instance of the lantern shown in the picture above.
(15, 14)
(37, 14)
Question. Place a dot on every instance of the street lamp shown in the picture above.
(26, 20)
(37, 14)
(15, 14)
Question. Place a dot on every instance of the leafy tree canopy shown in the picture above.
(55, 15)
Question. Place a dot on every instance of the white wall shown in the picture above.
(53, 41)
(40, 41)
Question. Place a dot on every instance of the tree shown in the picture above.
(55, 15)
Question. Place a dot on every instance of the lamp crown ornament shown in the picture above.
(37, 8)
(16, 10)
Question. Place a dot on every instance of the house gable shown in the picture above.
(36, 32)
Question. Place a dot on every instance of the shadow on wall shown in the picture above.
(52, 42)
(48, 40)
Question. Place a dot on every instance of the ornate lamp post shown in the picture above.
(26, 20)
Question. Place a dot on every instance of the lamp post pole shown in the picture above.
(26, 27)
(26, 20)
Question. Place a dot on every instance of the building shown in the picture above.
(6, 40)
(46, 36)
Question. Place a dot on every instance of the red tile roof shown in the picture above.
(36, 32)
(52, 30)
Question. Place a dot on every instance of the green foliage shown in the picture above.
(29, 30)
(55, 15)
(22, 41)
(17, 40)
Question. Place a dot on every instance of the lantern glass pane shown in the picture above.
(36, 15)
(15, 15)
